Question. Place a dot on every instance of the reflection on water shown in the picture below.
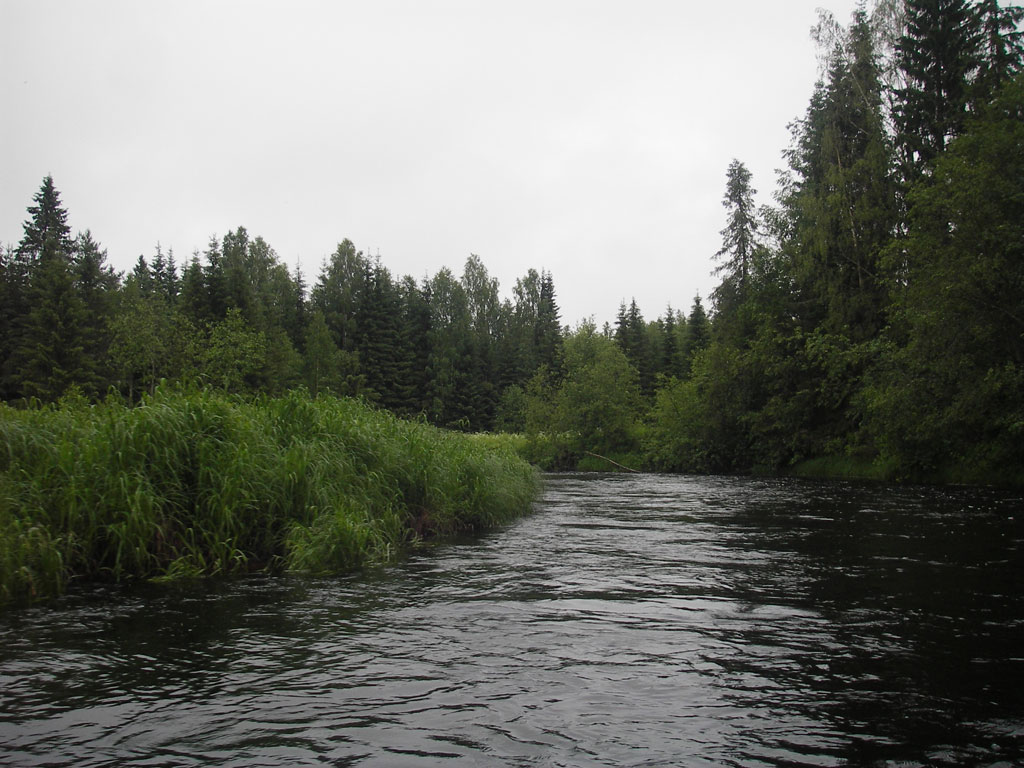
(641, 620)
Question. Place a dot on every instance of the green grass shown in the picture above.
(200, 483)
(843, 468)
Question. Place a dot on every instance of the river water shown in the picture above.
(630, 621)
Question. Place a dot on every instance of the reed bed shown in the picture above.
(197, 483)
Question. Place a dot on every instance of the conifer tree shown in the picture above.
(48, 349)
(939, 53)
(547, 333)
(843, 202)
(97, 285)
(669, 363)
(739, 237)
(1002, 45)
(698, 334)
(194, 297)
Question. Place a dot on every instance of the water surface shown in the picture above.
(630, 621)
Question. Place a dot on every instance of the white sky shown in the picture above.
(586, 137)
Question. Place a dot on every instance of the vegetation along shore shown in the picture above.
(191, 483)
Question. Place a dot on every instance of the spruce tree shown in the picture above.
(97, 286)
(547, 332)
(938, 54)
(698, 334)
(47, 348)
(739, 237)
(843, 203)
(669, 363)
(1002, 45)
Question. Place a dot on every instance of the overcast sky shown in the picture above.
(587, 138)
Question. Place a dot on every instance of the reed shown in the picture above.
(196, 483)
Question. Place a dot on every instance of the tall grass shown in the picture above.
(199, 483)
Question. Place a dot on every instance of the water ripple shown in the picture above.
(632, 621)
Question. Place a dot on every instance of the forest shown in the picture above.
(868, 323)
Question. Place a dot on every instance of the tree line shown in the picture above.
(871, 318)
(875, 314)
(234, 317)
(870, 322)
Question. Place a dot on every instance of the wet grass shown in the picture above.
(197, 483)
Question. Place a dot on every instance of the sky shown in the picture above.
(589, 138)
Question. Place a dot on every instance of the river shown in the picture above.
(629, 621)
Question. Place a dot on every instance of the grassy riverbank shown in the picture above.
(199, 483)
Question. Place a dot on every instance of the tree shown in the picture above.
(599, 399)
(327, 368)
(452, 384)
(950, 398)
(484, 309)
(1002, 44)
(698, 334)
(670, 363)
(631, 337)
(96, 285)
(547, 333)
(165, 276)
(378, 337)
(339, 290)
(739, 237)
(234, 353)
(46, 230)
(843, 196)
(939, 53)
(47, 352)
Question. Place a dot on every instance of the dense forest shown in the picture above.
(870, 321)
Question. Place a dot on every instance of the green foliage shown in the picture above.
(676, 435)
(947, 398)
(202, 483)
(594, 407)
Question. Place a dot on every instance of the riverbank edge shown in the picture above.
(549, 453)
(198, 483)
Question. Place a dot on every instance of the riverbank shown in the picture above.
(560, 453)
(199, 483)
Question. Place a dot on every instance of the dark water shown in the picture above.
(633, 621)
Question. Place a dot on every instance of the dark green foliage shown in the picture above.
(632, 338)
(878, 328)
(52, 333)
(938, 54)
(698, 334)
(949, 399)
(547, 333)
(739, 238)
